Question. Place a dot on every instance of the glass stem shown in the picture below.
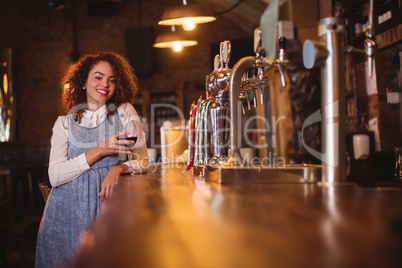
(130, 167)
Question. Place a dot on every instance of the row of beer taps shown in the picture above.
(214, 128)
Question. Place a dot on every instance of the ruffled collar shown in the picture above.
(95, 115)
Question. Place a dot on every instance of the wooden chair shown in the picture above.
(45, 191)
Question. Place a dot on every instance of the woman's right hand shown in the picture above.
(108, 147)
(113, 145)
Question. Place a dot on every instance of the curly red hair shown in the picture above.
(75, 97)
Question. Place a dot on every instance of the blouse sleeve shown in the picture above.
(62, 170)
(140, 160)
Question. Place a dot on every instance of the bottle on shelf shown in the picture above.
(385, 12)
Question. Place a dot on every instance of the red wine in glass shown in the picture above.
(129, 145)
(128, 139)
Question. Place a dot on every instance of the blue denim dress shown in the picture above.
(71, 207)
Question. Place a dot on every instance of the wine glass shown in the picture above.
(130, 137)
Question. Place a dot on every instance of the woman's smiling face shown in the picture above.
(100, 85)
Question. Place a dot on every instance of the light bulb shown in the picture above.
(177, 47)
(188, 24)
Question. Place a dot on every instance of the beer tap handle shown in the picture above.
(226, 51)
(282, 44)
(258, 42)
(217, 62)
(221, 53)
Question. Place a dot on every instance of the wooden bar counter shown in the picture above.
(170, 218)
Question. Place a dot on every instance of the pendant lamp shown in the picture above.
(174, 40)
(186, 15)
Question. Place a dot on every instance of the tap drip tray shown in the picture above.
(298, 173)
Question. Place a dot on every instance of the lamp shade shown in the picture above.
(174, 40)
(182, 15)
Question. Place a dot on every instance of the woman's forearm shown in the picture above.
(93, 155)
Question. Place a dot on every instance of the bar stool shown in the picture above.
(45, 191)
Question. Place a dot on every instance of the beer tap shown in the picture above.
(328, 54)
(252, 91)
(262, 95)
(219, 79)
(225, 87)
(198, 136)
(192, 133)
(205, 154)
(244, 96)
(201, 140)
(217, 108)
(246, 88)
(240, 67)
(255, 83)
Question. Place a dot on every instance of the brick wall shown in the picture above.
(42, 40)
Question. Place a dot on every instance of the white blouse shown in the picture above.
(62, 170)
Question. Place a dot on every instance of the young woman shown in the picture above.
(86, 155)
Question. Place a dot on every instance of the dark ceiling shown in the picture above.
(246, 14)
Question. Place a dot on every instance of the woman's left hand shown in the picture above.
(110, 180)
